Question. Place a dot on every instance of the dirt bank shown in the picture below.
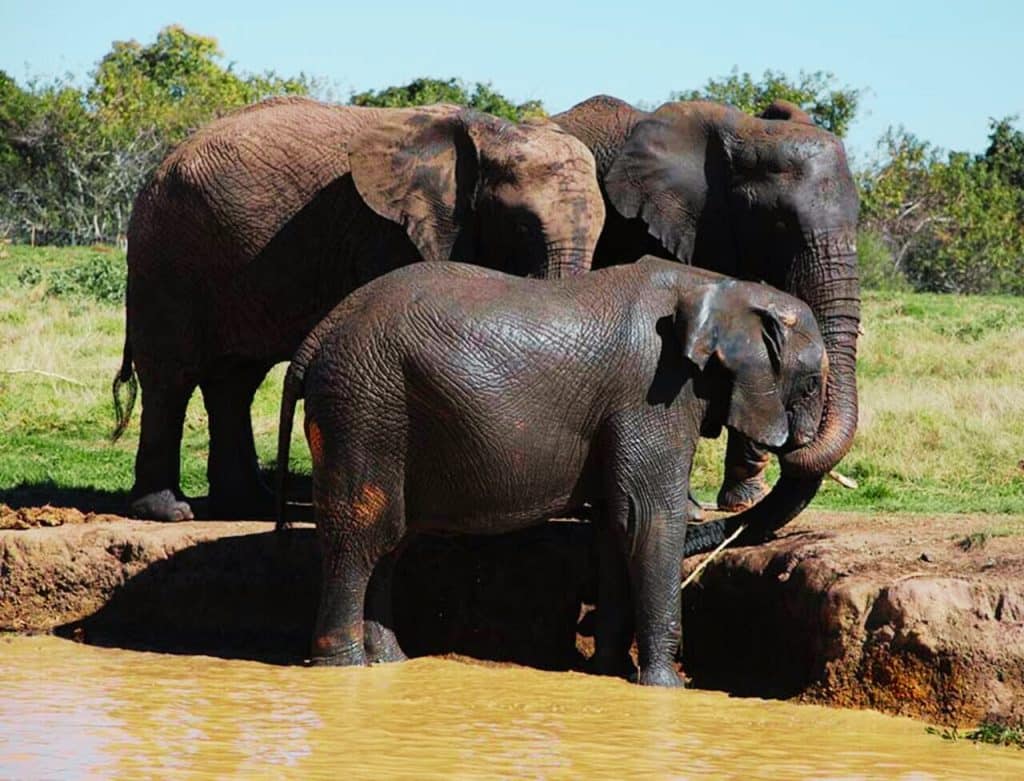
(921, 616)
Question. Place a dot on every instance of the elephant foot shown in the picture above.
(382, 645)
(327, 654)
(253, 503)
(738, 495)
(660, 675)
(160, 506)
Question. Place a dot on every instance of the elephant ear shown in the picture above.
(783, 109)
(747, 342)
(419, 169)
(659, 176)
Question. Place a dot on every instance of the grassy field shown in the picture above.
(941, 426)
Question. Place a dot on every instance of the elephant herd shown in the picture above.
(448, 397)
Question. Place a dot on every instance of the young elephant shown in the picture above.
(446, 397)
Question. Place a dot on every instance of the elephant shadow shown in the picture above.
(87, 499)
(514, 597)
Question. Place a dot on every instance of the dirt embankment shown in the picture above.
(897, 613)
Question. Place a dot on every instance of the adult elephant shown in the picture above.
(255, 226)
(763, 198)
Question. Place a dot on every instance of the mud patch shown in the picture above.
(48, 516)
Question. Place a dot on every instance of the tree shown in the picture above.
(175, 84)
(951, 221)
(425, 91)
(1005, 153)
(72, 159)
(830, 106)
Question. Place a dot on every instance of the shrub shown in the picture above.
(100, 277)
(878, 269)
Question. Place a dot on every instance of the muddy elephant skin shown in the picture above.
(766, 198)
(449, 398)
(254, 227)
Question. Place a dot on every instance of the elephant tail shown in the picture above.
(293, 391)
(124, 377)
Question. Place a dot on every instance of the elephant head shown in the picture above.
(466, 186)
(770, 349)
(768, 198)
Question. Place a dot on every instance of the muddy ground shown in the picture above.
(915, 615)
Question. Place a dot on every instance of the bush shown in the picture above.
(30, 276)
(422, 92)
(73, 158)
(878, 269)
(831, 106)
(99, 277)
(953, 222)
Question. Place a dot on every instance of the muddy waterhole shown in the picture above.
(77, 711)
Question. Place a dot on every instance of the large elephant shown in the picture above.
(254, 227)
(763, 198)
(444, 397)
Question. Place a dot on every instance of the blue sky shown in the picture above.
(939, 69)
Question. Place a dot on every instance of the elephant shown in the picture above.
(253, 228)
(766, 198)
(456, 399)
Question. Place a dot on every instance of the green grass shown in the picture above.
(993, 733)
(56, 429)
(940, 378)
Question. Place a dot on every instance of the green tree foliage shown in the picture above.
(422, 92)
(1005, 153)
(952, 222)
(72, 159)
(831, 106)
(175, 84)
(16, 108)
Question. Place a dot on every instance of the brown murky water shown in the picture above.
(73, 711)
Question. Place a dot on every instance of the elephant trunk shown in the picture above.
(566, 262)
(826, 277)
(787, 499)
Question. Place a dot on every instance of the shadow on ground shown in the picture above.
(95, 500)
(516, 597)
(88, 500)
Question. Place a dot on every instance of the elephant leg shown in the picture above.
(378, 620)
(156, 494)
(360, 523)
(236, 490)
(658, 538)
(338, 636)
(744, 484)
(613, 627)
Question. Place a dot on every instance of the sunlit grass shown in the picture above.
(58, 356)
(941, 423)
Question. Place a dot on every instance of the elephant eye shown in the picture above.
(812, 385)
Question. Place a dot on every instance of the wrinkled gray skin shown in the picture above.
(254, 227)
(763, 198)
(449, 398)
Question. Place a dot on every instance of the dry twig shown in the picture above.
(72, 380)
(700, 567)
